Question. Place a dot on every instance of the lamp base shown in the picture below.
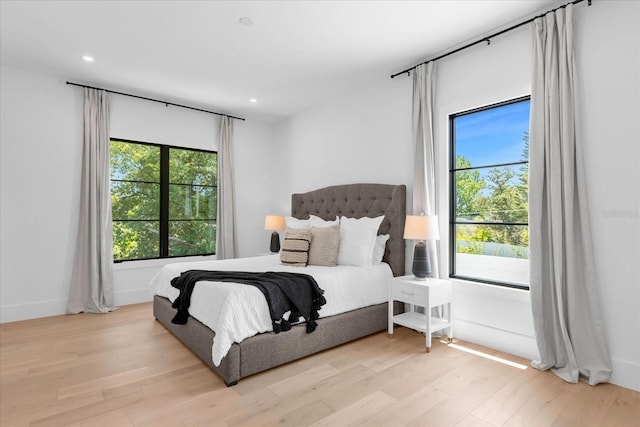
(275, 242)
(421, 263)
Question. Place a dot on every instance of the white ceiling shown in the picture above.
(296, 53)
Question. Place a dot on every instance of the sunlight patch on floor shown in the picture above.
(489, 356)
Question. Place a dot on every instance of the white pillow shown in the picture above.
(292, 222)
(316, 221)
(357, 240)
(378, 249)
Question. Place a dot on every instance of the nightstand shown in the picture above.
(427, 293)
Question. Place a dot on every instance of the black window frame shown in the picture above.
(164, 184)
(452, 195)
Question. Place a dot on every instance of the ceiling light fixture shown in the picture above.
(88, 58)
(253, 100)
(245, 21)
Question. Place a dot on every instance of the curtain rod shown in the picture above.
(487, 38)
(155, 100)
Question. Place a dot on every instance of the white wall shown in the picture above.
(360, 137)
(41, 145)
(608, 56)
(41, 125)
(365, 137)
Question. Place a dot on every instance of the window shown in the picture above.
(489, 175)
(164, 201)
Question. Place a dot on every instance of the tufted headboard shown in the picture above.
(357, 201)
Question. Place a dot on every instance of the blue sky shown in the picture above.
(493, 136)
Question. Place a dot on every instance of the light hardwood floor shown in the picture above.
(125, 369)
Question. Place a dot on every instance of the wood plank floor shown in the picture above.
(125, 369)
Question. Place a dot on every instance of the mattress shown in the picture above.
(236, 312)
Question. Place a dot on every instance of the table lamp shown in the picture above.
(275, 223)
(421, 228)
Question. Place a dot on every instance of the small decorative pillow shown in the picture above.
(325, 242)
(357, 240)
(316, 221)
(378, 250)
(292, 222)
(295, 247)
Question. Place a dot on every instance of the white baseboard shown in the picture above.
(498, 339)
(135, 296)
(625, 374)
(34, 310)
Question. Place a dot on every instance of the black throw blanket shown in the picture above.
(295, 292)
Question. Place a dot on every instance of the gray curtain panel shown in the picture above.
(226, 236)
(564, 295)
(91, 287)
(424, 181)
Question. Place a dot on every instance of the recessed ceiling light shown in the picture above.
(253, 100)
(88, 58)
(246, 21)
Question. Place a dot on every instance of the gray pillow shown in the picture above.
(295, 247)
(325, 242)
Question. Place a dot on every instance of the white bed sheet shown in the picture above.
(239, 312)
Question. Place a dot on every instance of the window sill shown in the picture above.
(482, 289)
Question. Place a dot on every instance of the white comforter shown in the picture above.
(237, 312)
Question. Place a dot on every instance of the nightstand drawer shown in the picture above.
(411, 294)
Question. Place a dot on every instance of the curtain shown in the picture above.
(424, 181)
(564, 295)
(226, 236)
(91, 288)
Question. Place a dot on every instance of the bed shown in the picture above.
(267, 350)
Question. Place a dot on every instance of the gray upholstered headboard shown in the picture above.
(357, 201)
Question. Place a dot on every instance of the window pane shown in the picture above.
(192, 167)
(192, 237)
(136, 239)
(135, 200)
(134, 162)
(139, 181)
(493, 252)
(192, 202)
(490, 183)
(498, 194)
(493, 136)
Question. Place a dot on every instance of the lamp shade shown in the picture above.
(274, 222)
(421, 227)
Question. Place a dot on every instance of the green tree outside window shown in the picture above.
(144, 226)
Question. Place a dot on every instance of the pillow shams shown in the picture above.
(325, 242)
(316, 221)
(295, 247)
(292, 222)
(357, 240)
(380, 246)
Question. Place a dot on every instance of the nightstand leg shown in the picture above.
(450, 337)
(390, 318)
(427, 332)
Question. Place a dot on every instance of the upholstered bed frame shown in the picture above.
(264, 351)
